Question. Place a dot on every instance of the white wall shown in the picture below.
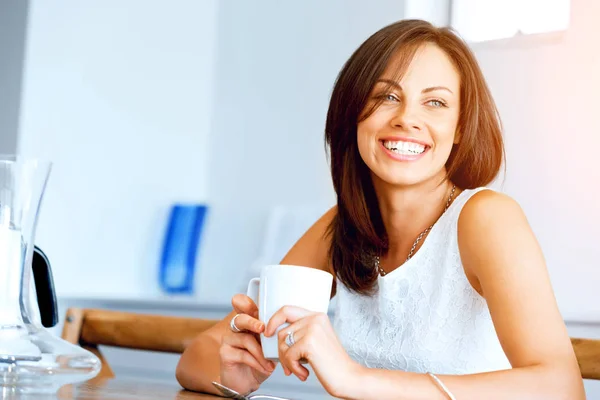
(13, 20)
(138, 109)
(118, 95)
(123, 100)
(546, 88)
(277, 62)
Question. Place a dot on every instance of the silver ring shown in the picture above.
(289, 339)
(232, 324)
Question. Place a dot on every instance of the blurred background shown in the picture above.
(143, 104)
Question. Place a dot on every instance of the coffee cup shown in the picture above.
(288, 285)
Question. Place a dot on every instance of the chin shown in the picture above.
(398, 179)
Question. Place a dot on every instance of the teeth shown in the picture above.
(404, 147)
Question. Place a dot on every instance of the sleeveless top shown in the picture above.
(425, 316)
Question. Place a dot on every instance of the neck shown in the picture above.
(406, 211)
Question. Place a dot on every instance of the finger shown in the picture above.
(293, 366)
(286, 371)
(282, 348)
(243, 304)
(249, 343)
(245, 322)
(285, 357)
(296, 327)
(293, 356)
(299, 370)
(233, 355)
(285, 314)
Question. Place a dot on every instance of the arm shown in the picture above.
(500, 253)
(200, 364)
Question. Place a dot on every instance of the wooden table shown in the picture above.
(135, 389)
(132, 388)
(127, 389)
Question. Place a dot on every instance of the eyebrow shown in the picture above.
(426, 90)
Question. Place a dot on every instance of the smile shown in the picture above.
(404, 148)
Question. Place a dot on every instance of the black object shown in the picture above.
(44, 288)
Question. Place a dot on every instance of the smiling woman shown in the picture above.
(442, 290)
(419, 112)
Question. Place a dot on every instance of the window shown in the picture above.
(481, 20)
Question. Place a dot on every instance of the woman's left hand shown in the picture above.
(316, 342)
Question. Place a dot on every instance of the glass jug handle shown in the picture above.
(44, 288)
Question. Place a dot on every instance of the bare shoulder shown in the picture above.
(491, 227)
(312, 249)
(488, 206)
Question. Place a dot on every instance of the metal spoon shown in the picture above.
(232, 394)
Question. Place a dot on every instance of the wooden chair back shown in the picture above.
(587, 352)
(90, 328)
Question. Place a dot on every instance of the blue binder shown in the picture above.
(180, 248)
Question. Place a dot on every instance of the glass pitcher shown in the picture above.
(32, 360)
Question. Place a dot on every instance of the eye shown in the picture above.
(390, 97)
(437, 103)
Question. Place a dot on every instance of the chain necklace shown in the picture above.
(414, 246)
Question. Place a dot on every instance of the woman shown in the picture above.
(442, 288)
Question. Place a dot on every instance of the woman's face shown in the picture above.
(408, 138)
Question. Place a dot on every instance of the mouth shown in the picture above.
(405, 148)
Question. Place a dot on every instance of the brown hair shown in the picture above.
(357, 232)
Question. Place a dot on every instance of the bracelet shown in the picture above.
(441, 385)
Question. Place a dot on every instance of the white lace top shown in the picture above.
(425, 316)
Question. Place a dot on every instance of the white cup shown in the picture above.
(288, 285)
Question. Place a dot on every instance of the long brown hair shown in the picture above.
(357, 232)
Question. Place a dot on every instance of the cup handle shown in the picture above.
(252, 291)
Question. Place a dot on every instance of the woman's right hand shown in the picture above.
(243, 365)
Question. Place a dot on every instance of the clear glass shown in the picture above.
(32, 360)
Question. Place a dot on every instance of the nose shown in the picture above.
(407, 118)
